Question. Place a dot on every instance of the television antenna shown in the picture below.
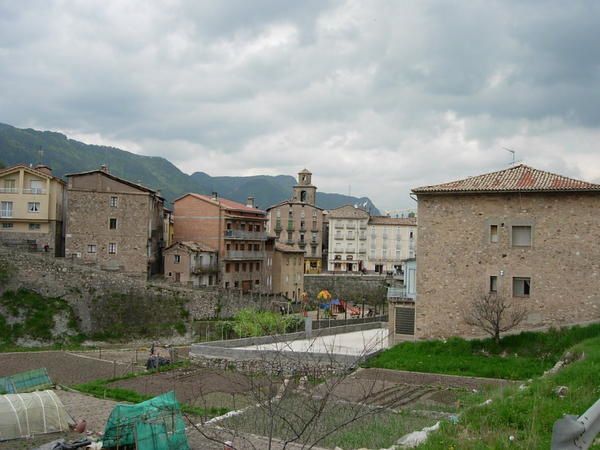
(513, 152)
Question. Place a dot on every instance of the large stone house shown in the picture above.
(298, 223)
(32, 208)
(528, 235)
(236, 231)
(114, 223)
(285, 270)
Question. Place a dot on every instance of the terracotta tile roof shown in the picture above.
(138, 186)
(286, 248)
(385, 220)
(520, 178)
(348, 212)
(193, 246)
(226, 203)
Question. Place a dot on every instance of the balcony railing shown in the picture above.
(34, 191)
(205, 268)
(247, 235)
(239, 254)
(8, 190)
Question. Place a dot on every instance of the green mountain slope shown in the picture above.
(66, 155)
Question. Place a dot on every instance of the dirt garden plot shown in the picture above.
(63, 368)
(197, 386)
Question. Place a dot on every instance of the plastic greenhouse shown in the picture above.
(156, 424)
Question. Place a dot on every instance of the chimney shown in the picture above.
(250, 202)
(44, 169)
(215, 196)
(104, 168)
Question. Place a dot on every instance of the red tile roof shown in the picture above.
(226, 203)
(520, 178)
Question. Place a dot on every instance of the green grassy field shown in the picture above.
(526, 414)
(517, 357)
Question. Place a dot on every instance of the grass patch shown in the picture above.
(339, 424)
(528, 414)
(517, 357)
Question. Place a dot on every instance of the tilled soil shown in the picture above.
(63, 368)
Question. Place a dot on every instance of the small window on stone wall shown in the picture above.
(493, 283)
(176, 259)
(112, 223)
(521, 236)
(521, 286)
(493, 233)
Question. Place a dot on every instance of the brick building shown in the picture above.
(298, 223)
(236, 231)
(32, 207)
(528, 235)
(114, 223)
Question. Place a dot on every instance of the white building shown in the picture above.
(390, 241)
(347, 250)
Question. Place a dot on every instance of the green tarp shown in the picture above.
(156, 424)
(32, 380)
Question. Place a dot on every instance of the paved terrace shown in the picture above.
(344, 345)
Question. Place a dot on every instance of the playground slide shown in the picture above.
(353, 310)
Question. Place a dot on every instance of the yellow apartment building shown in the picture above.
(32, 208)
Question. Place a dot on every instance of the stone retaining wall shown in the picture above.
(353, 288)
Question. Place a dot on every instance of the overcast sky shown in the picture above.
(376, 97)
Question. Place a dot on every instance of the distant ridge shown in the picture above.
(66, 155)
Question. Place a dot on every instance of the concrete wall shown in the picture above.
(456, 258)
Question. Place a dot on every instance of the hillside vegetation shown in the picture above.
(66, 155)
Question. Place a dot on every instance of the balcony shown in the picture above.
(242, 255)
(290, 225)
(302, 244)
(34, 191)
(205, 268)
(278, 226)
(246, 235)
(8, 190)
(6, 213)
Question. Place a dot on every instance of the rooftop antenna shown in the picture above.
(514, 161)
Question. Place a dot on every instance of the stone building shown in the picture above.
(32, 208)
(390, 241)
(236, 231)
(114, 223)
(287, 271)
(191, 263)
(347, 239)
(530, 236)
(298, 223)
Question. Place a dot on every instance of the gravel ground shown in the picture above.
(63, 368)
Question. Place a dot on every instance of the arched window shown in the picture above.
(302, 196)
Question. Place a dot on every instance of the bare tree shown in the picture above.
(494, 314)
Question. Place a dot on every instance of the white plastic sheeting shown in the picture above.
(23, 415)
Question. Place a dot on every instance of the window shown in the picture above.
(7, 225)
(112, 223)
(257, 228)
(256, 282)
(114, 201)
(91, 248)
(33, 207)
(257, 266)
(237, 267)
(112, 248)
(176, 259)
(227, 267)
(521, 236)
(243, 267)
(410, 235)
(36, 187)
(521, 286)
(236, 284)
(10, 186)
(493, 283)
(493, 233)
(34, 226)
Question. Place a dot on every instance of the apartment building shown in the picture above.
(298, 223)
(390, 241)
(236, 231)
(286, 275)
(114, 223)
(32, 207)
(528, 235)
(347, 239)
(191, 263)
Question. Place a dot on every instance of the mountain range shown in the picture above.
(66, 155)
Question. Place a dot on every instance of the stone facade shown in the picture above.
(298, 223)
(191, 263)
(353, 288)
(114, 224)
(466, 239)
